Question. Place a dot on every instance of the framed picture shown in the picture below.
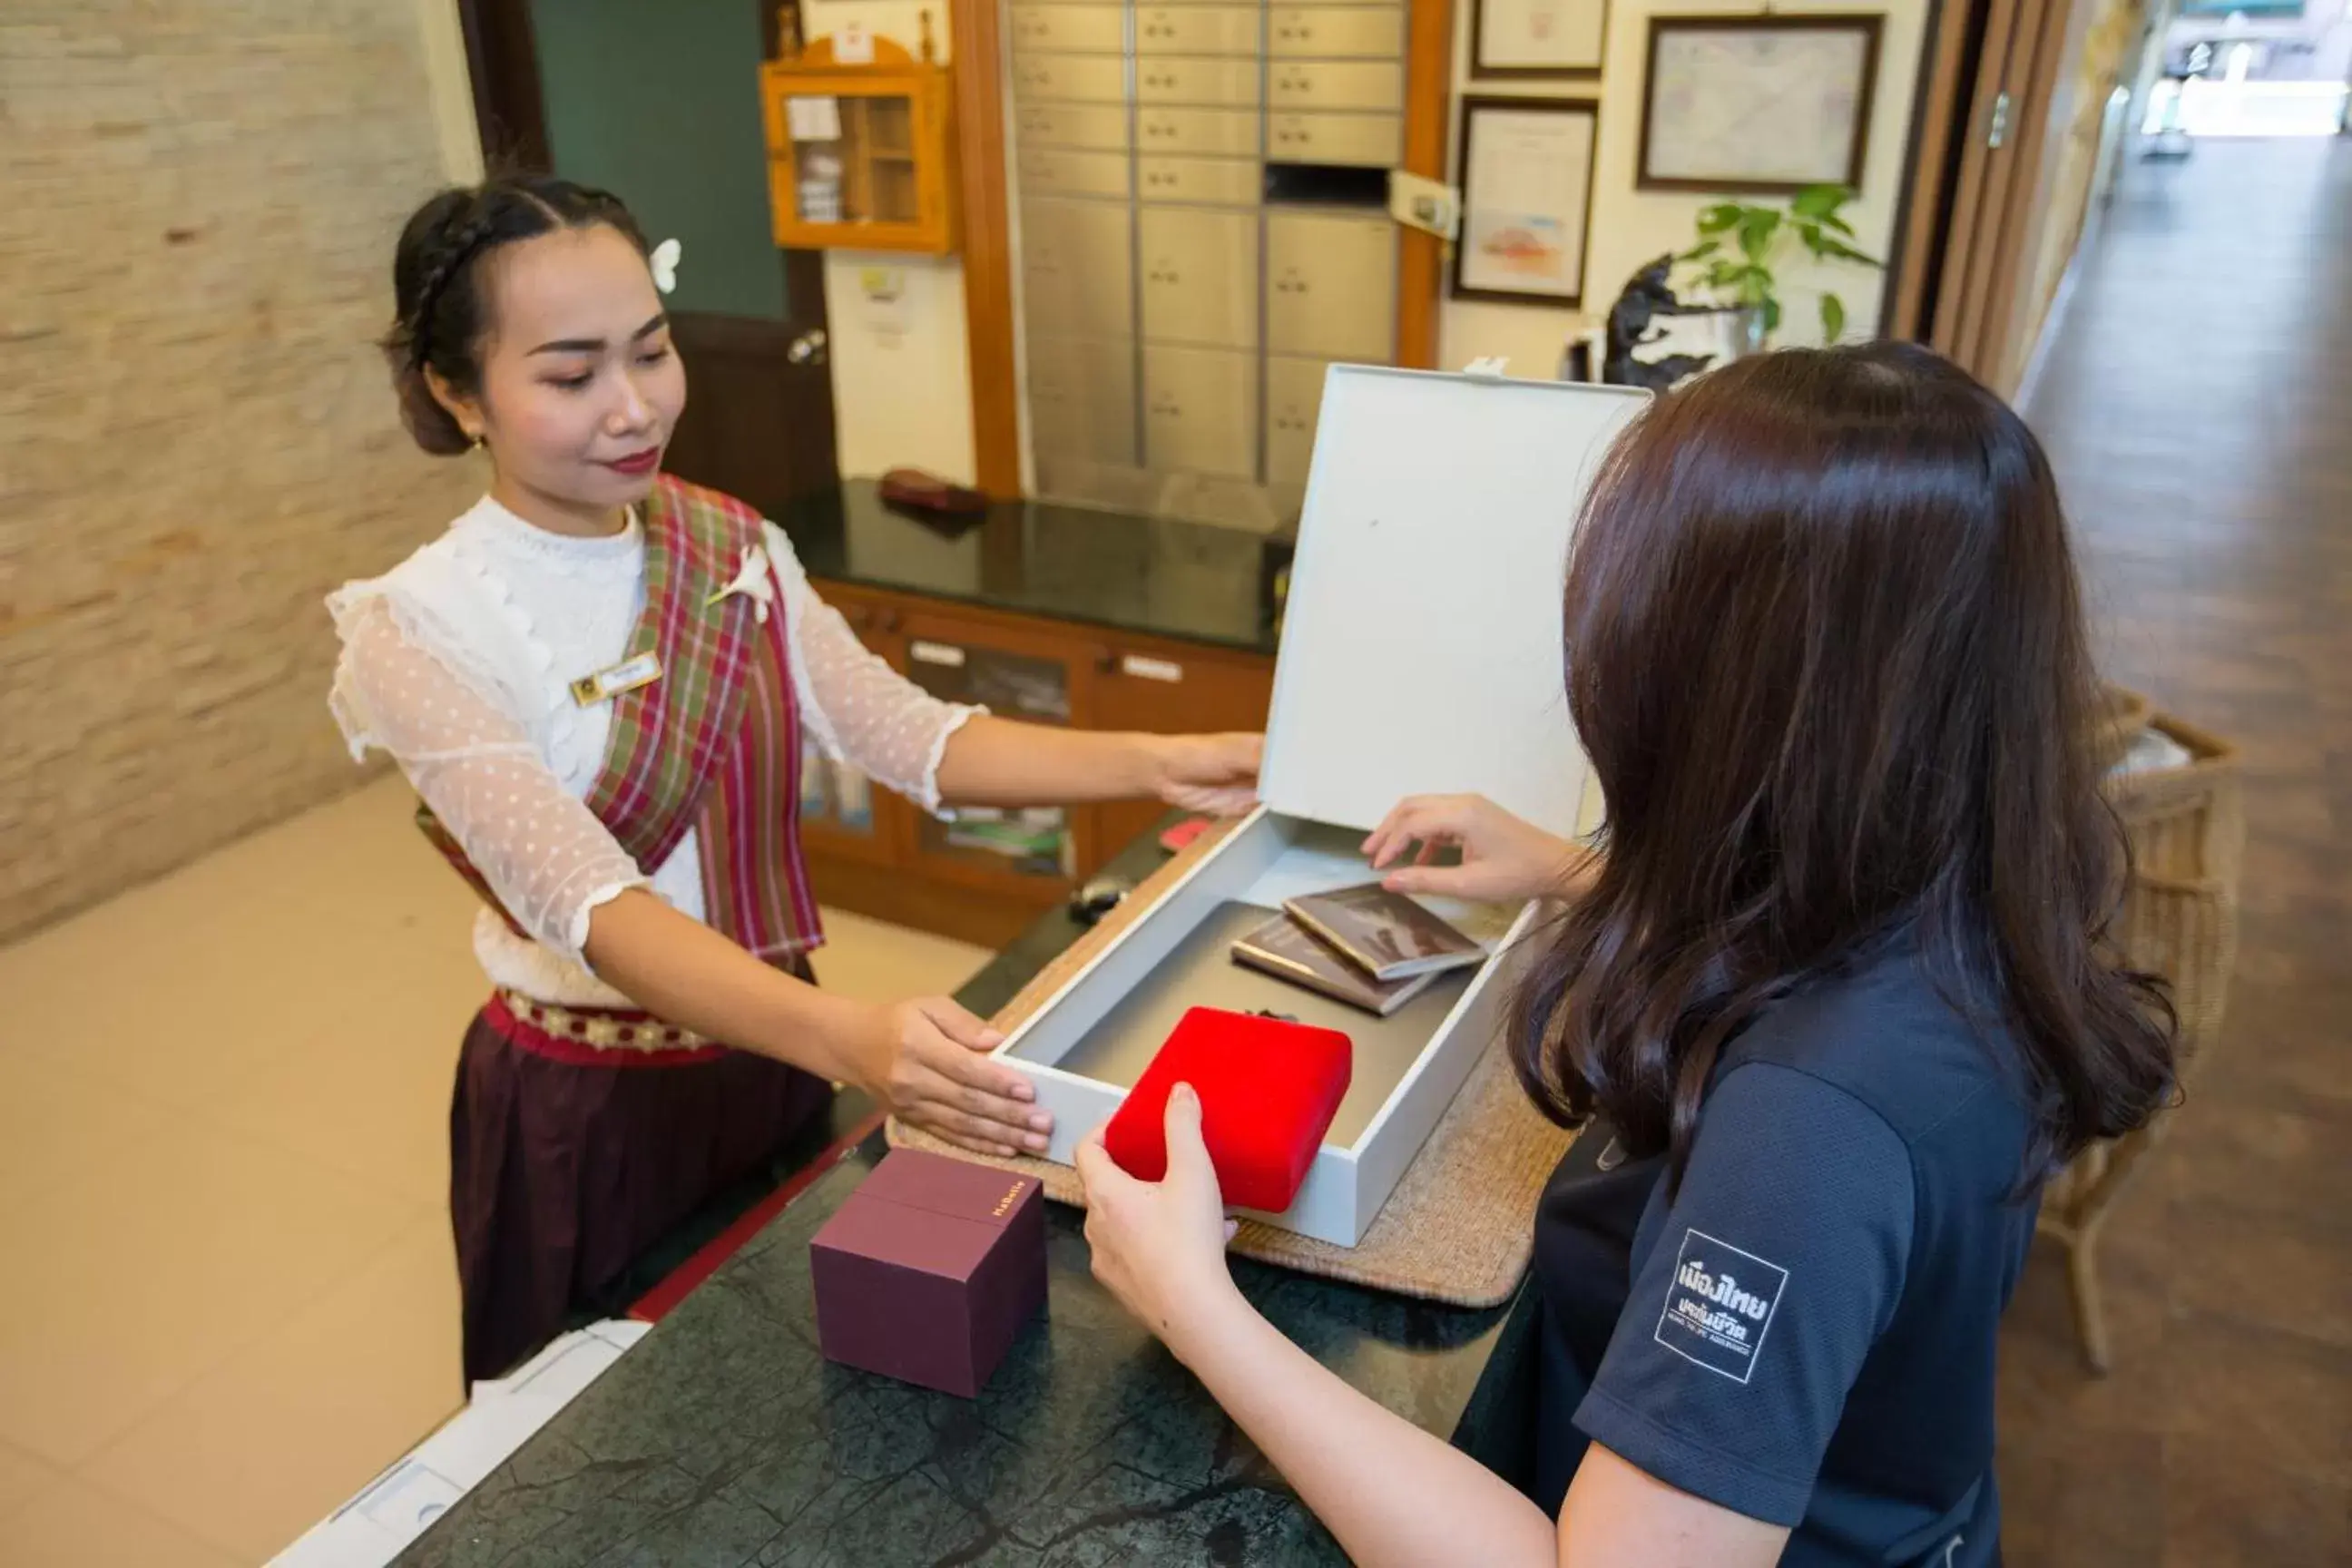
(1761, 104)
(1537, 40)
(1526, 186)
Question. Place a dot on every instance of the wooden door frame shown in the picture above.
(1428, 118)
(975, 60)
(1969, 211)
(1998, 354)
(1948, 69)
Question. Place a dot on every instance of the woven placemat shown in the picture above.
(1460, 1225)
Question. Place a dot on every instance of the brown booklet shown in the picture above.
(1386, 934)
(1283, 948)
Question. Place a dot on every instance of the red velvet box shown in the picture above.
(930, 1270)
(1268, 1090)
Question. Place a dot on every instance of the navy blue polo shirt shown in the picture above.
(1804, 1332)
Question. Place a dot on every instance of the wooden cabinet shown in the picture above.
(1331, 286)
(1216, 182)
(1084, 126)
(1080, 29)
(843, 813)
(1228, 83)
(860, 156)
(1337, 84)
(1343, 141)
(1196, 30)
(1199, 276)
(1068, 78)
(984, 877)
(1209, 133)
(1250, 253)
(1014, 672)
(1293, 399)
(1068, 172)
(1082, 400)
(1336, 33)
(1077, 259)
(1171, 691)
(1200, 411)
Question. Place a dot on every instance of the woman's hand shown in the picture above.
(928, 1061)
(1161, 1247)
(1211, 774)
(1503, 856)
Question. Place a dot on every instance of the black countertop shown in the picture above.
(1129, 572)
(724, 1438)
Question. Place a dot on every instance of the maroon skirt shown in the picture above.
(567, 1163)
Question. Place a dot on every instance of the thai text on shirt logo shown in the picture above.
(1719, 1305)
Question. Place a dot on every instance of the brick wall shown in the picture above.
(196, 440)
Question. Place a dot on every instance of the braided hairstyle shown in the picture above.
(440, 310)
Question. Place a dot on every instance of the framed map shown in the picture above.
(1526, 186)
(1763, 104)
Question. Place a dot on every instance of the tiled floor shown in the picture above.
(230, 1294)
(2199, 408)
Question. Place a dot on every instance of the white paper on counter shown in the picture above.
(397, 1507)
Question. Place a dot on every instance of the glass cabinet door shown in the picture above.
(854, 158)
(1041, 841)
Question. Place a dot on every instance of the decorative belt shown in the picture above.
(595, 1036)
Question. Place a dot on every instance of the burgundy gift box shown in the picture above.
(929, 1270)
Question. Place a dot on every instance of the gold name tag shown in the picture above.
(639, 670)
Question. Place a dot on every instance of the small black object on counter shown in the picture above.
(1097, 897)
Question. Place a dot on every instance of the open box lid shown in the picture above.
(1421, 642)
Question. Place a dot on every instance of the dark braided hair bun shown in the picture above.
(440, 310)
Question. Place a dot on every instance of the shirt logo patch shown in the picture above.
(1719, 1305)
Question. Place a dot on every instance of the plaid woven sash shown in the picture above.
(715, 744)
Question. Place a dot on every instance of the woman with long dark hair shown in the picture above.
(1830, 1001)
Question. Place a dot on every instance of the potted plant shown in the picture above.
(1739, 244)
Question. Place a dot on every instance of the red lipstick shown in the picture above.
(636, 463)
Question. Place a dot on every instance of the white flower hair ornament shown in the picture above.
(663, 263)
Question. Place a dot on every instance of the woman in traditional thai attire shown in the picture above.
(598, 681)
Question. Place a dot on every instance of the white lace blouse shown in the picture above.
(459, 663)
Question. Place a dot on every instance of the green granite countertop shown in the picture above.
(724, 1438)
(1130, 572)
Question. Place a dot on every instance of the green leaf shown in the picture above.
(1756, 231)
(1820, 200)
(1720, 218)
(1832, 221)
(1833, 318)
(1817, 200)
(1815, 240)
(1700, 252)
(1725, 273)
(1772, 314)
(1846, 252)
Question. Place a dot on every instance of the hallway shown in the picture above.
(2199, 408)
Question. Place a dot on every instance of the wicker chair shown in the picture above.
(2179, 920)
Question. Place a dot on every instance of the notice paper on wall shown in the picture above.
(814, 119)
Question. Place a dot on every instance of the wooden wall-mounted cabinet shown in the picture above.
(860, 157)
(984, 878)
